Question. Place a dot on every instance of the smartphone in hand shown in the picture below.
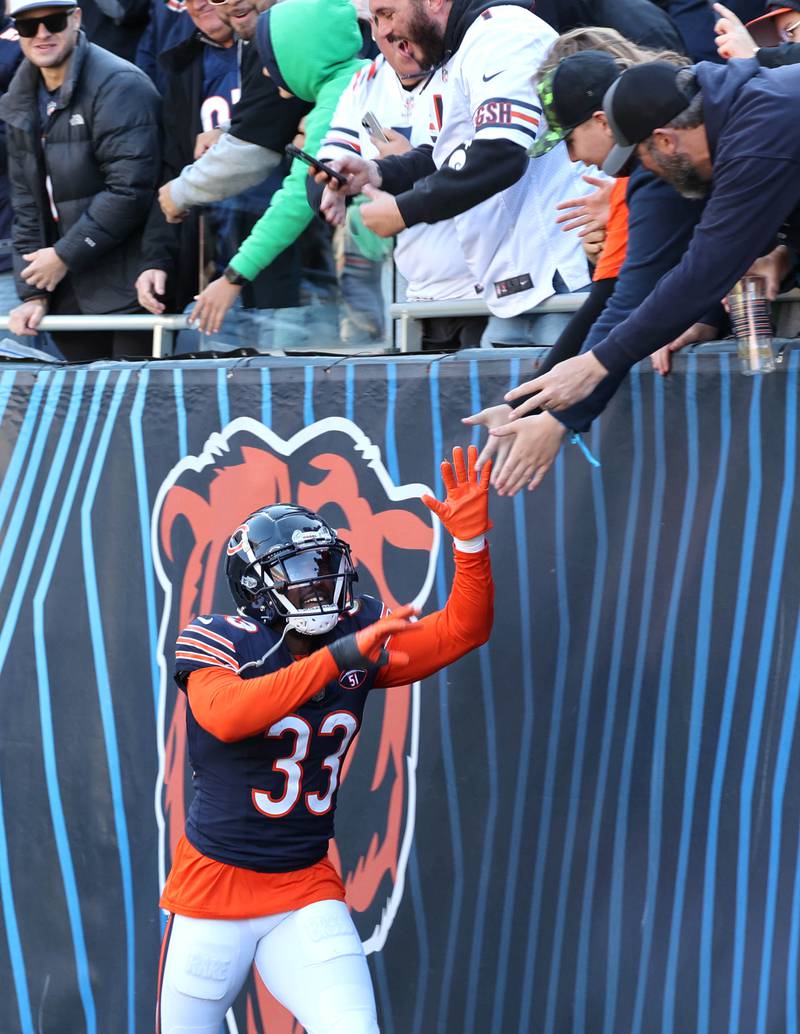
(373, 127)
(315, 163)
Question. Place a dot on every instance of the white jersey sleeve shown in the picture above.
(344, 133)
(374, 88)
(498, 60)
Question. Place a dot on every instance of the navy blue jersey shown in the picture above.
(267, 802)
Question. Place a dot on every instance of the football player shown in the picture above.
(275, 697)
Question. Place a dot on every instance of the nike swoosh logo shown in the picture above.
(486, 78)
(205, 621)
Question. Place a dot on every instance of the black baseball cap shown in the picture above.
(644, 98)
(571, 93)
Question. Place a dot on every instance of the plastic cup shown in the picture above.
(749, 310)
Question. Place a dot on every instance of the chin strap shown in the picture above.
(269, 653)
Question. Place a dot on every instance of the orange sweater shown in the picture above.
(616, 245)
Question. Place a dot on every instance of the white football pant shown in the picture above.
(311, 960)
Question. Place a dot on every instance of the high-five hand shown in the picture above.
(567, 383)
(465, 510)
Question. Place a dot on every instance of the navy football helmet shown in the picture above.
(284, 551)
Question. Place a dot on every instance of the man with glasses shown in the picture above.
(261, 125)
(83, 138)
(772, 38)
(202, 82)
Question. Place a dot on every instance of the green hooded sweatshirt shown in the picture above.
(314, 44)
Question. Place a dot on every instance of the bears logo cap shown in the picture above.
(18, 7)
(571, 93)
(644, 98)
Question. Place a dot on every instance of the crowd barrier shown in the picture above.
(406, 318)
(588, 826)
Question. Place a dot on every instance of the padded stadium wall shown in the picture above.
(589, 825)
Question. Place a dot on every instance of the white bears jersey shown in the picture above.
(428, 256)
(487, 90)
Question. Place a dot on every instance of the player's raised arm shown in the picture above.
(465, 621)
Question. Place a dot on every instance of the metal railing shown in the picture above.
(407, 317)
(163, 327)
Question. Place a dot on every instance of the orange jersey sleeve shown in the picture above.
(463, 624)
(232, 708)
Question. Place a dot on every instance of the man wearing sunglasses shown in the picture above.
(84, 155)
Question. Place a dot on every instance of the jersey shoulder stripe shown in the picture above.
(213, 652)
(215, 638)
(209, 633)
(203, 659)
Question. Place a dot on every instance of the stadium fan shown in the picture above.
(661, 222)
(275, 697)
(386, 91)
(428, 257)
(202, 81)
(317, 73)
(167, 26)
(84, 153)
(694, 19)
(115, 25)
(10, 57)
(652, 224)
(721, 132)
(774, 38)
(251, 147)
(474, 167)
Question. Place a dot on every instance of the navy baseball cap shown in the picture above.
(571, 93)
(644, 98)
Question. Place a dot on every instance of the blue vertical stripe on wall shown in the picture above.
(617, 892)
(180, 412)
(104, 690)
(579, 747)
(510, 896)
(45, 575)
(553, 736)
(622, 594)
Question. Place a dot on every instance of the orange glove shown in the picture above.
(367, 648)
(465, 511)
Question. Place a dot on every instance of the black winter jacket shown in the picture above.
(10, 57)
(102, 152)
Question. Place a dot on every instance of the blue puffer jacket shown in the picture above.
(10, 57)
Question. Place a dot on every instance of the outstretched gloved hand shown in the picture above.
(465, 510)
(367, 648)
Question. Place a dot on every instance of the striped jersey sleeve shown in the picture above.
(505, 49)
(203, 643)
(343, 135)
